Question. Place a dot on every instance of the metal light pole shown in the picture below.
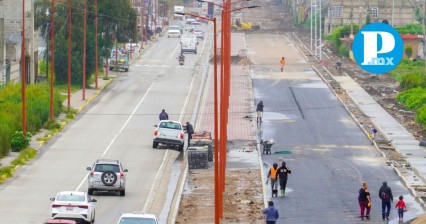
(47, 42)
(311, 24)
(96, 44)
(24, 74)
(320, 39)
(84, 49)
(69, 52)
(52, 54)
(116, 49)
(315, 30)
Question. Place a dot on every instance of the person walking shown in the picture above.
(271, 213)
(364, 201)
(282, 175)
(401, 206)
(385, 193)
(163, 115)
(189, 131)
(259, 111)
(282, 63)
(374, 131)
(272, 175)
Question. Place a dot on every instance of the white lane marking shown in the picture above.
(171, 55)
(119, 132)
(160, 171)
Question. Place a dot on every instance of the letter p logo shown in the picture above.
(378, 48)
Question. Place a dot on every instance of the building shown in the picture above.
(10, 41)
(337, 13)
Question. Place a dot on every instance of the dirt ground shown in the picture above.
(243, 199)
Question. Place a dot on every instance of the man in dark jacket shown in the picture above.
(282, 173)
(271, 213)
(163, 115)
(189, 131)
(259, 111)
(385, 193)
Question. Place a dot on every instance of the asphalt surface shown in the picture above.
(116, 125)
(328, 154)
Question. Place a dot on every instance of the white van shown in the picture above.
(188, 43)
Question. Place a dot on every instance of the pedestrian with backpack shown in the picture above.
(271, 213)
(385, 193)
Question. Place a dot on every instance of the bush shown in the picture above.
(408, 51)
(421, 116)
(413, 99)
(407, 67)
(343, 51)
(412, 80)
(20, 141)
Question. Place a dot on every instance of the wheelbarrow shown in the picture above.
(267, 145)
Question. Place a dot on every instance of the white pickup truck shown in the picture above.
(169, 133)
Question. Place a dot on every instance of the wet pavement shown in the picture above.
(330, 155)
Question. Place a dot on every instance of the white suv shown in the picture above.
(169, 133)
(107, 175)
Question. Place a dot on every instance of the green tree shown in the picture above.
(409, 51)
(111, 14)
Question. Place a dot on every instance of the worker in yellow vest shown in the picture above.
(272, 175)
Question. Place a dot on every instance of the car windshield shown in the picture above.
(134, 220)
(174, 28)
(107, 167)
(71, 197)
(170, 125)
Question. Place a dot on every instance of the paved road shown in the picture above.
(117, 125)
(330, 154)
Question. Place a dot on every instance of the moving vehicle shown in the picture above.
(73, 205)
(60, 221)
(188, 43)
(107, 175)
(195, 25)
(179, 9)
(136, 218)
(240, 26)
(174, 31)
(199, 33)
(188, 23)
(169, 133)
(123, 62)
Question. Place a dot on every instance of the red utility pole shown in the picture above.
(142, 23)
(52, 53)
(84, 50)
(69, 51)
(96, 44)
(216, 128)
(24, 74)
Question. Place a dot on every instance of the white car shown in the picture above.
(135, 218)
(169, 133)
(188, 43)
(74, 205)
(173, 31)
(195, 25)
(199, 34)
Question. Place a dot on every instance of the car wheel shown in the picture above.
(181, 148)
(154, 145)
(126, 69)
(93, 218)
(109, 178)
(123, 193)
(195, 52)
(90, 192)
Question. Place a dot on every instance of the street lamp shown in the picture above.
(52, 65)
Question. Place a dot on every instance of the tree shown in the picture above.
(111, 14)
(409, 51)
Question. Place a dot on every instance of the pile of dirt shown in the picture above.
(243, 199)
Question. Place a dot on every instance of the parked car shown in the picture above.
(123, 62)
(199, 34)
(169, 133)
(195, 25)
(107, 175)
(135, 218)
(73, 205)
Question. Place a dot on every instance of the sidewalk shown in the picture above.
(243, 200)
